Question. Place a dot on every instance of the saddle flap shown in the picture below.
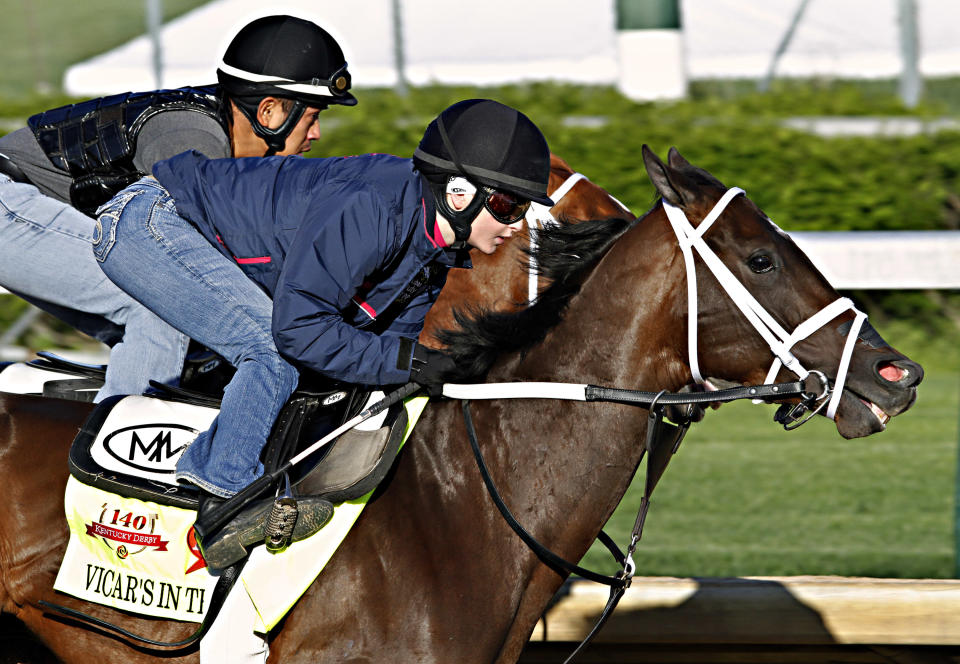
(130, 446)
(358, 460)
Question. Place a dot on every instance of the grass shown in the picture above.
(743, 497)
(41, 39)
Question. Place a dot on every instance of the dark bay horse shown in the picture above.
(431, 572)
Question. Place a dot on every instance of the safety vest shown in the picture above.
(95, 141)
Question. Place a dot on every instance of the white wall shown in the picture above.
(489, 42)
(497, 41)
(854, 38)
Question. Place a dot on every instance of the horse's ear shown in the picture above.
(676, 160)
(668, 181)
(557, 162)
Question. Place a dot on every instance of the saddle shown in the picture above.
(160, 425)
(129, 445)
(52, 376)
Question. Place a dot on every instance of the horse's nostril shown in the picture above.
(891, 372)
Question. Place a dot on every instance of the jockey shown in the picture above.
(324, 264)
(331, 265)
(277, 74)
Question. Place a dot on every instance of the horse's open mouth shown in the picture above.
(877, 412)
(866, 411)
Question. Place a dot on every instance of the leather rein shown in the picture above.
(662, 441)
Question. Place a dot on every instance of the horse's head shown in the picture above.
(585, 200)
(796, 320)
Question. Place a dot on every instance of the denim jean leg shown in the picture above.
(194, 287)
(45, 255)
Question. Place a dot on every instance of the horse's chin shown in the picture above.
(858, 417)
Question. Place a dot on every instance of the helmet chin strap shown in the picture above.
(460, 220)
(275, 139)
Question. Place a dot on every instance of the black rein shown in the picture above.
(655, 401)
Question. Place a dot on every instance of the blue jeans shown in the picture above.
(45, 257)
(161, 259)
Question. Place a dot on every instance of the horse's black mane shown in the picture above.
(564, 253)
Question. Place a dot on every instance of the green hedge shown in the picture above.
(804, 182)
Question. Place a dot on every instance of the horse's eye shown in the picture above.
(760, 263)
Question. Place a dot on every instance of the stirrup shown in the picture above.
(278, 533)
(259, 523)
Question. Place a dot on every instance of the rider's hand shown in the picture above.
(432, 368)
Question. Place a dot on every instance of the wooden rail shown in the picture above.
(805, 611)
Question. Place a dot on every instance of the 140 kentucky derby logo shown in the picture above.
(127, 533)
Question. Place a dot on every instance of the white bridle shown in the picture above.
(538, 217)
(779, 340)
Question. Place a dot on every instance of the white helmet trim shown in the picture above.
(275, 81)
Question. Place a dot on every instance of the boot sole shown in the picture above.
(236, 539)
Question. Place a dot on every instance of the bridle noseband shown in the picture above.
(780, 341)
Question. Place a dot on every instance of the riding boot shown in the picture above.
(259, 523)
(207, 503)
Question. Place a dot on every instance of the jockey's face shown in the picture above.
(486, 233)
(304, 132)
(270, 113)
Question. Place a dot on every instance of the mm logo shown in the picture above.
(149, 447)
(334, 398)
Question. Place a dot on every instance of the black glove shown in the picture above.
(432, 368)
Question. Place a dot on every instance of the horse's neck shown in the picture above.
(566, 465)
(626, 326)
(561, 467)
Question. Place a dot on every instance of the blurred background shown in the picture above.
(836, 116)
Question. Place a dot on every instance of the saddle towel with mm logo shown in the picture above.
(139, 555)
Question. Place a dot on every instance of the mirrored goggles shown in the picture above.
(505, 207)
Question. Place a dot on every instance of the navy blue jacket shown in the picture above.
(344, 246)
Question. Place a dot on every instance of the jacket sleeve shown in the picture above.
(172, 132)
(325, 266)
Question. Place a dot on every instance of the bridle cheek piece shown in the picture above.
(778, 339)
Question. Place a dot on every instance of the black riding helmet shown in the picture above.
(490, 145)
(286, 57)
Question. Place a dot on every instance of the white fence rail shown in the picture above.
(848, 259)
(885, 259)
